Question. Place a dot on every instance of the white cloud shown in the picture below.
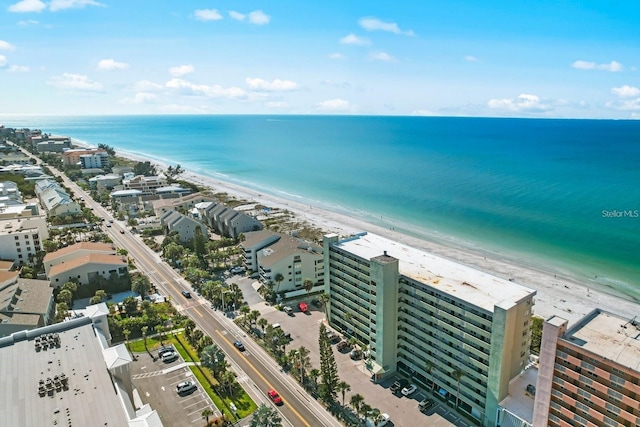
(216, 91)
(258, 17)
(337, 56)
(19, 69)
(181, 70)
(237, 15)
(626, 105)
(613, 66)
(207, 15)
(626, 91)
(25, 6)
(56, 5)
(28, 22)
(6, 45)
(471, 58)
(353, 39)
(111, 64)
(275, 85)
(524, 103)
(3, 61)
(147, 86)
(75, 82)
(382, 56)
(333, 105)
(374, 24)
(140, 98)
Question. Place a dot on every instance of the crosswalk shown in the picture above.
(147, 375)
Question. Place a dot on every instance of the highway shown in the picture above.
(256, 370)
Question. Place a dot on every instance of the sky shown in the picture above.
(492, 58)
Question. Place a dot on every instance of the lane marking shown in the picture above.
(270, 385)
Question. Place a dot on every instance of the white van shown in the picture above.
(276, 326)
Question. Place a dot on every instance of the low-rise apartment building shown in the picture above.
(229, 222)
(54, 199)
(87, 158)
(462, 332)
(185, 226)
(86, 268)
(589, 374)
(21, 235)
(78, 250)
(24, 303)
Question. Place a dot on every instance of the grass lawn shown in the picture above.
(153, 343)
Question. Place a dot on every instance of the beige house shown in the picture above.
(24, 303)
(85, 268)
(76, 251)
(271, 254)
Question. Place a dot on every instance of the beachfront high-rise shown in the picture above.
(462, 332)
(589, 375)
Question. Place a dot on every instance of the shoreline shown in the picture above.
(558, 293)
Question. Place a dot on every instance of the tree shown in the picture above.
(262, 323)
(324, 299)
(130, 305)
(65, 296)
(206, 414)
(71, 287)
(343, 388)
(266, 416)
(328, 367)
(365, 409)
(200, 239)
(307, 284)
(314, 374)
(278, 278)
(141, 285)
(245, 310)
(213, 358)
(144, 330)
(145, 168)
(429, 368)
(126, 332)
(355, 402)
(62, 310)
(457, 375)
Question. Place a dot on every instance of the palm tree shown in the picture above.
(206, 414)
(278, 278)
(343, 388)
(262, 322)
(355, 402)
(429, 368)
(457, 374)
(365, 408)
(314, 374)
(307, 285)
(144, 336)
(126, 332)
(245, 310)
(324, 299)
(266, 416)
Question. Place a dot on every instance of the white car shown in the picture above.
(169, 356)
(409, 390)
(186, 387)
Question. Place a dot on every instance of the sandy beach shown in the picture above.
(563, 296)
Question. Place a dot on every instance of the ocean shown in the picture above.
(560, 195)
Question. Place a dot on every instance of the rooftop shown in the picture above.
(288, 246)
(26, 296)
(98, 259)
(608, 335)
(85, 398)
(481, 289)
(82, 246)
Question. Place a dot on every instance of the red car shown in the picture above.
(303, 307)
(275, 397)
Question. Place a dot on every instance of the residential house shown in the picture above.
(78, 250)
(54, 199)
(86, 268)
(185, 203)
(229, 222)
(185, 226)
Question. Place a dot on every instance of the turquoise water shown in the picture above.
(531, 190)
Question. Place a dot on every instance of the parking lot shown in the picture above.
(156, 382)
(403, 410)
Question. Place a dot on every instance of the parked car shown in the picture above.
(275, 397)
(239, 345)
(383, 420)
(425, 404)
(186, 294)
(186, 387)
(169, 357)
(303, 307)
(399, 385)
(409, 390)
(343, 345)
(355, 354)
(164, 350)
(288, 310)
(237, 270)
